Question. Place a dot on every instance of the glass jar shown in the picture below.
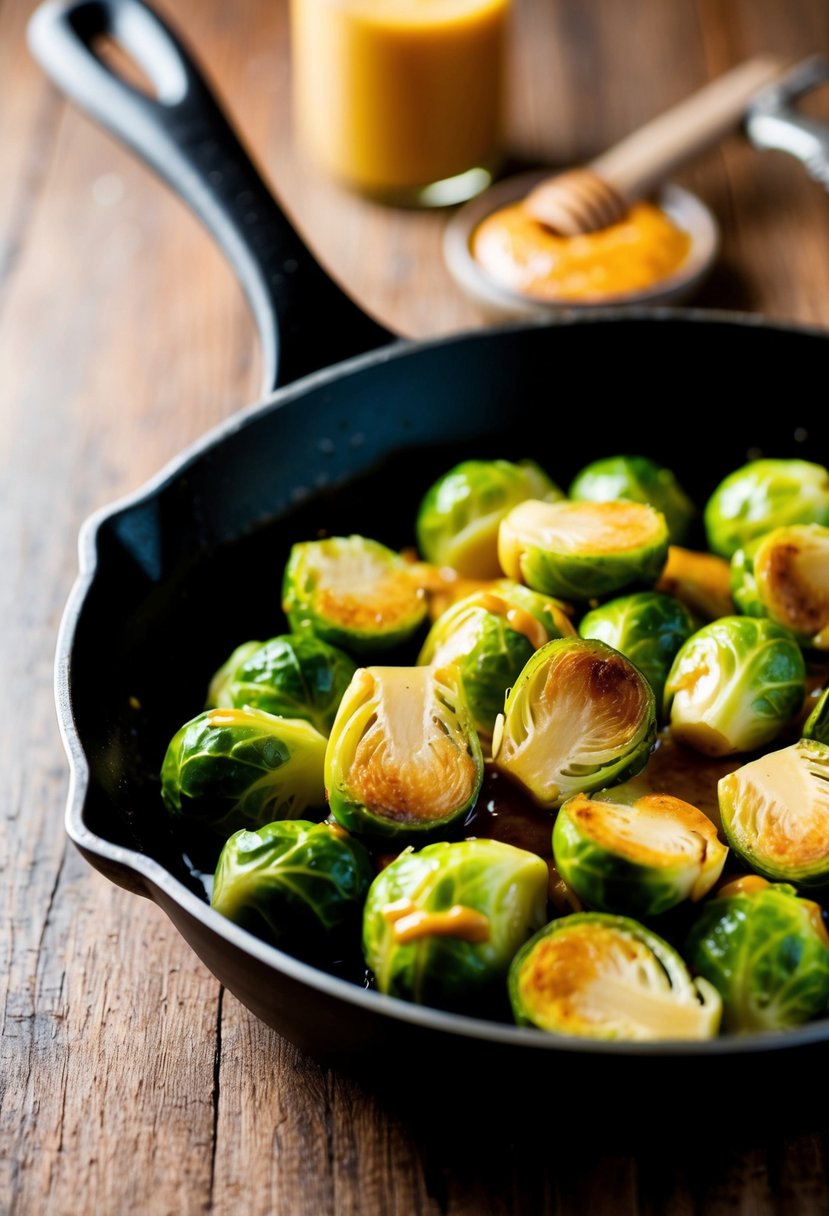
(401, 99)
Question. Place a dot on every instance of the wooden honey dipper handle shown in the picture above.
(582, 200)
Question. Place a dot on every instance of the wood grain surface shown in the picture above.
(128, 1081)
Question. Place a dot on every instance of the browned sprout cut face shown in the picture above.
(608, 977)
(791, 567)
(775, 812)
(580, 717)
(403, 753)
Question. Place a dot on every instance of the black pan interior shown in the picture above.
(194, 568)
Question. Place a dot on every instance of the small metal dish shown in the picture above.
(501, 304)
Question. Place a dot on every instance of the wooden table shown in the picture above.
(129, 1082)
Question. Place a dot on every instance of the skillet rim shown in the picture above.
(148, 873)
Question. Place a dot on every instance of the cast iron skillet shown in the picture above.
(174, 576)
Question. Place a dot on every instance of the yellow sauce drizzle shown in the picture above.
(410, 923)
(517, 619)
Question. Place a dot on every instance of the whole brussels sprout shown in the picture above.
(457, 524)
(637, 479)
(648, 628)
(580, 717)
(734, 685)
(441, 926)
(767, 954)
(489, 640)
(582, 550)
(700, 581)
(640, 858)
(293, 676)
(762, 495)
(352, 592)
(785, 576)
(816, 725)
(241, 768)
(403, 758)
(608, 977)
(296, 884)
(775, 813)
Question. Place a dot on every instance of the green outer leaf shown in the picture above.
(355, 715)
(760, 686)
(294, 883)
(817, 723)
(301, 606)
(293, 676)
(637, 479)
(457, 523)
(488, 654)
(762, 495)
(226, 777)
(677, 973)
(506, 884)
(521, 725)
(647, 627)
(765, 957)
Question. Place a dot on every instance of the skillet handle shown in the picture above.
(305, 321)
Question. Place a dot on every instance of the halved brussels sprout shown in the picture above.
(489, 638)
(293, 676)
(242, 768)
(581, 550)
(700, 581)
(296, 884)
(734, 685)
(785, 576)
(636, 479)
(607, 977)
(646, 627)
(441, 926)
(767, 954)
(762, 495)
(580, 717)
(403, 757)
(640, 858)
(352, 592)
(816, 725)
(775, 813)
(457, 524)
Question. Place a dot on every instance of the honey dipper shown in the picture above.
(597, 195)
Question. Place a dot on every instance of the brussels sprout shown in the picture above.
(637, 479)
(242, 768)
(457, 524)
(785, 576)
(734, 685)
(640, 858)
(550, 612)
(607, 977)
(775, 813)
(767, 954)
(646, 627)
(441, 926)
(580, 550)
(700, 581)
(489, 639)
(297, 884)
(403, 757)
(294, 676)
(816, 725)
(580, 717)
(352, 592)
(762, 495)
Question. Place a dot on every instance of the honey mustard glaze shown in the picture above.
(642, 250)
